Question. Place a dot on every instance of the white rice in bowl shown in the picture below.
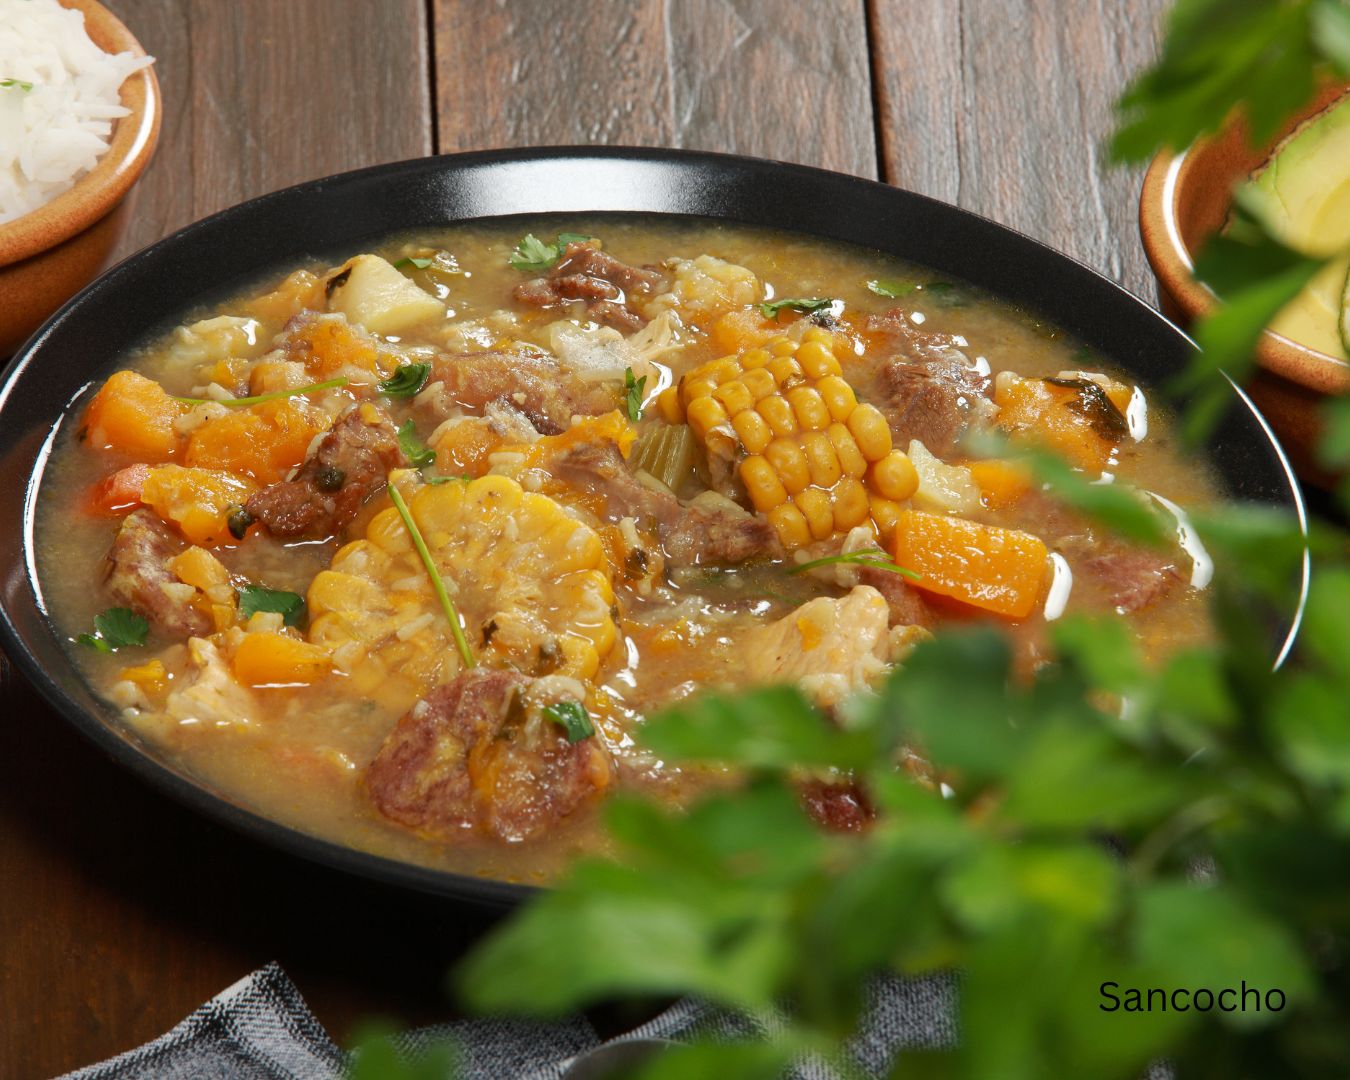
(59, 97)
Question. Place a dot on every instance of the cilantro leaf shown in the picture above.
(634, 389)
(416, 264)
(533, 254)
(891, 288)
(416, 451)
(254, 598)
(18, 84)
(810, 305)
(573, 718)
(407, 381)
(1220, 55)
(116, 628)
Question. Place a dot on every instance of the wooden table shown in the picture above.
(120, 912)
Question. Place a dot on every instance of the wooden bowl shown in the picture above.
(1186, 199)
(48, 255)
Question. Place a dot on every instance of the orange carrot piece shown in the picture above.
(995, 569)
(267, 658)
(119, 492)
(263, 442)
(1001, 483)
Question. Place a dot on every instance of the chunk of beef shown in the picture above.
(1129, 578)
(836, 805)
(928, 389)
(138, 577)
(535, 385)
(350, 463)
(470, 757)
(906, 604)
(689, 534)
(584, 272)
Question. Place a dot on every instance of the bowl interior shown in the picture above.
(153, 288)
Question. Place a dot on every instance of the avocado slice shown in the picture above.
(1315, 317)
(1302, 193)
(1345, 316)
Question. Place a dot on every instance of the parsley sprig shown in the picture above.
(533, 254)
(634, 390)
(116, 628)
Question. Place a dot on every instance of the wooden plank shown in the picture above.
(259, 95)
(773, 78)
(1001, 105)
(120, 912)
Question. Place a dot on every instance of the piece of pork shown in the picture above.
(350, 464)
(472, 757)
(689, 535)
(606, 284)
(533, 384)
(837, 805)
(138, 577)
(926, 387)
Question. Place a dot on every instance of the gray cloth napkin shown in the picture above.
(261, 1029)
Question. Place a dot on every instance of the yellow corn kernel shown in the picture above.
(821, 459)
(894, 476)
(782, 347)
(753, 430)
(885, 513)
(809, 408)
(790, 525)
(778, 413)
(850, 504)
(785, 371)
(870, 430)
(820, 334)
(734, 396)
(788, 461)
(760, 383)
(815, 507)
(851, 460)
(694, 387)
(722, 369)
(817, 360)
(704, 414)
(838, 397)
(762, 484)
(754, 358)
(672, 411)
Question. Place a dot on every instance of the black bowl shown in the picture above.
(153, 288)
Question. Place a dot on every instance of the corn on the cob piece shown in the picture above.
(813, 459)
(531, 582)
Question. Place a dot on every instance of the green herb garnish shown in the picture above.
(633, 395)
(945, 294)
(255, 598)
(437, 583)
(18, 84)
(116, 628)
(418, 264)
(406, 381)
(533, 254)
(464, 479)
(258, 399)
(413, 448)
(573, 718)
(810, 305)
(891, 288)
(869, 557)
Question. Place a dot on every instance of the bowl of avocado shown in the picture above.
(1298, 184)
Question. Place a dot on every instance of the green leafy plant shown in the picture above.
(116, 628)
(255, 598)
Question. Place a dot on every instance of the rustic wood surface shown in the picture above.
(119, 911)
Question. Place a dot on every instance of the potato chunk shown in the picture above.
(369, 291)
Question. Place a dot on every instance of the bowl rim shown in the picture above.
(124, 747)
(1174, 267)
(133, 142)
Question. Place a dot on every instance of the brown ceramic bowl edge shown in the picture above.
(1170, 257)
(132, 146)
